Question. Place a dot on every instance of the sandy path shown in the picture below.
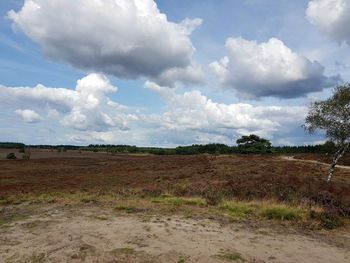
(93, 234)
(291, 158)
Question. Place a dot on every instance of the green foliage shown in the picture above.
(12, 145)
(262, 146)
(253, 144)
(332, 116)
(11, 156)
(213, 148)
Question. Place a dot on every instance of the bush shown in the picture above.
(328, 219)
(26, 155)
(11, 156)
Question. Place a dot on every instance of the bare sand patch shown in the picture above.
(95, 234)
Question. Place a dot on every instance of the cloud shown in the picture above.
(173, 77)
(85, 108)
(28, 116)
(331, 17)
(269, 69)
(192, 111)
(125, 38)
(88, 115)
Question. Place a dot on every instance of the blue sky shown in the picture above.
(167, 72)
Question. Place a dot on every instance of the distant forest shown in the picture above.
(214, 148)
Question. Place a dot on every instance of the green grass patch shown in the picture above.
(281, 213)
(237, 210)
(269, 210)
(178, 201)
(230, 256)
(127, 208)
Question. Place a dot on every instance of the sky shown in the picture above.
(168, 72)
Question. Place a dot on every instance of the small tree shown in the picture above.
(253, 144)
(333, 117)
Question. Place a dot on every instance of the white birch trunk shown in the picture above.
(339, 154)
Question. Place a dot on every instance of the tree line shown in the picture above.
(251, 144)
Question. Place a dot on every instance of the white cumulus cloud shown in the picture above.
(192, 111)
(268, 69)
(331, 17)
(126, 38)
(28, 116)
(88, 115)
(86, 108)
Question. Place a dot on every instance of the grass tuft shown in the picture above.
(123, 250)
(230, 256)
(237, 210)
(178, 201)
(282, 213)
(269, 210)
(127, 208)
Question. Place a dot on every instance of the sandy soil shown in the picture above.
(93, 234)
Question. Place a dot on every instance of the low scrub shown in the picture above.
(11, 156)
(213, 197)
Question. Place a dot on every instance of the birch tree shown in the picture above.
(333, 117)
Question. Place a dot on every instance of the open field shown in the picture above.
(94, 207)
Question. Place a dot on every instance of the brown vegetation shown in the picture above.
(242, 177)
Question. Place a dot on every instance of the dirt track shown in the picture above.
(291, 158)
(92, 234)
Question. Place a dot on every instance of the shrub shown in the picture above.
(328, 220)
(11, 156)
(26, 155)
